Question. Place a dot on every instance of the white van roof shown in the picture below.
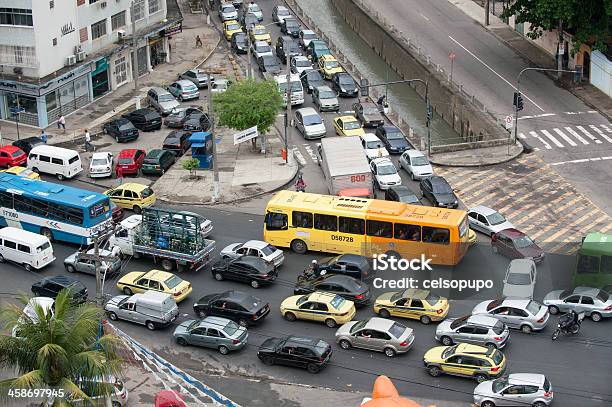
(22, 236)
(153, 297)
(54, 151)
(294, 77)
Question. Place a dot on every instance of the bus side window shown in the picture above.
(276, 221)
(301, 219)
(587, 264)
(325, 222)
(407, 232)
(436, 235)
(380, 229)
(351, 225)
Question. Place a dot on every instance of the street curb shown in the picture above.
(505, 160)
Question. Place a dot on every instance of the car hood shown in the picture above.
(552, 296)
(518, 291)
(129, 277)
(445, 198)
(169, 105)
(329, 102)
(502, 226)
(530, 251)
(484, 389)
(315, 128)
(229, 249)
(345, 330)
(116, 300)
(290, 302)
(422, 169)
(182, 328)
(444, 326)
(389, 178)
(481, 308)
(435, 353)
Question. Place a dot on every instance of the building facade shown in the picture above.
(57, 56)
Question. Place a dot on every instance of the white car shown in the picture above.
(101, 165)
(416, 164)
(515, 389)
(227, 12)
(520, 279)
(300, 64)
(46, 304)
(255, 248)
(254, 9)
(261, 48)
(309, 123)
(487, 220)
(373, 147)
(385, 173)
(220, 85)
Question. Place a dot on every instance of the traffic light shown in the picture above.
(364, 87)
(518, 101)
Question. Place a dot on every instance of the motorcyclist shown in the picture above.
(300, 185)
(315, 270)
(568, 320)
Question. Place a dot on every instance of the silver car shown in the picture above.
(526, 315)
(520, 279)
(378, 334)
(516, 389)
(75, 263)
(212, 332)
(161, 100)
(227, 12)
(594, 302)
(309, 123)
(197, 76)
(325, 99)
(184, 90)
(475, 329)
(487, 220)
(255, 248)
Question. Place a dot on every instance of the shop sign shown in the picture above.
(173, 29)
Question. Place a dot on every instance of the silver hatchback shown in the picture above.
(378, 334)
(594, 302)
(526, 315)
(212, 332)
(516, 389)
(475, 329)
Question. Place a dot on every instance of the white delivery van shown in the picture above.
(31, 250)
(297, 91)
(58, 161)
(152, 309)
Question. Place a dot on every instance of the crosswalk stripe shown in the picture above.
(521, 135)
(299, 156)
(569, 225)
(536, 135)
(606, 128)
(575, 134)
(559, 209)
(601, 133)
(469, 178)
(589, 135)
(473, 184)
(552, 138)
(559, 217)
(565, 137)
(530, 194)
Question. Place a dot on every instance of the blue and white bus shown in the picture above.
(56, 211)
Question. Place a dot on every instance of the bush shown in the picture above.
(191, 165)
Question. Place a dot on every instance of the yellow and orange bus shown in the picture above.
(334, 224)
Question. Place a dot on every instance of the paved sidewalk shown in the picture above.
(478, 157)
(536, 56)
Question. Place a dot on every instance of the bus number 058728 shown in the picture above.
(342, 238)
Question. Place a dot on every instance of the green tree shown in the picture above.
(60, 349)
(587, 20)
(191, 165)
(249, 103)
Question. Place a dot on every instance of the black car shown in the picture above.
(393, 138)
(239, 43)
(269, 64)
(439, 193)
(122, 130)
(177, 142)
(51, 287)
(352, 265)
(249, 269)
(28, 143)
(346, 287)
(196, 121)
(311, 79)
(299, 351)
(287, 47)
(145, 119)
(243, 308)
(177, 118)
(401, 193)
(368, 114)
(344, 84)
(291, 26)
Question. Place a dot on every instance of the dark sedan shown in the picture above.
(196, 121)
(177, 142)
(122, 130)
(297, 351)
(393, 138)
(515, 244)
(177, 118)
(290, 26)
(401, 193)
(51, 287)
(28, 143)
(248, 269)
(439, 193)
(352, 265)
(239, 43)
(344, 84)
(269, 64)
(243, 308)
(368, 114)
(347, 287)
(311, 79)
(145, 119)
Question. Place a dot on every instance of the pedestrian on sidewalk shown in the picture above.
(43, 136)
(61, 123)
(88, 145)
(198, 42)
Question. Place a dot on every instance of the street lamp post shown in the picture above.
(211, 118)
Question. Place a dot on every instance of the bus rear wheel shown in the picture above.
(167, 265)
(299, 246)
(47, 233)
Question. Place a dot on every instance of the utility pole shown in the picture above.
(134, 46)
(288, 121)
(560, 51)
(487, 12)
(249, 72)
(211, 117)
(99, 237)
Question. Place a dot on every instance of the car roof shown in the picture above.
(64, 281)
(511, 232)
(128, 152)
(307, 111)
(9, 148)
(321, 296)
(323, 88)
(159, 90)
(526, 378)
(521, 266)
(235, 295)
(382, 324)
(158, 275)
(214, 322)
(327, 57)
(401, 190)
(257, 244)
(352, 258)
(388, 128)
(155, 153)
(256, 43)
(340, 278)
(184, 82)
(587, 291)
(347, 118)
(251, 260)
(484, 320)
(516, 302)
(303, 340)
(370, 137)
(121, 120)
(133, 186)
(300, 58)
(414, 153)
(471, 349)
(483, 210)
(415, 293)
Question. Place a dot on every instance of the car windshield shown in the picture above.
(193, 325)
(302, 300)
(396, 296)
(268, 250)
(386, 169)
(262, 48)
(459, 322)
(346, 80)
(259, 31)
(397, 330)
(231, 328)
(302, 62)
(432, 298)
(282, 12)
(254, 8)
(373, 144)
(331, 64)
(147, 192)
(173, 282)
(419, 161)
(533, 307)
(312, 120)
(495, 219)
(125, 161)
(519, 279)
(395, 135)
(291, 23)
(228, 9)
(498, 328)
(309, 36)
(499, 384)
(449, 351)
(441, 188)
(43, 247)
(522, 242)
(603, 296)
(126, 126)
(351, 125)
(17, 153)
(233, 27)
(337, 302)
(327, 94)
(99, 161)
(495, 355)
(165, 98)
(358, 326)
(296, 86)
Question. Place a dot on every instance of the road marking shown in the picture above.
(601, 133)
(530, 194)
(310, 152)
(536, 135)
(589, 135)
(606, 128)
(521, 135)
(582, 160)
(569, 225)
(575, 113)
(535, 116)
(552, 138)
(492, 70)
(566, 138)
(298, 155)
(578, 136)
(424, 16)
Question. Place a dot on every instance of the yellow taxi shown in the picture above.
(155, 280)
(260, 33)
(465, 360)
(329, 308)
(132, 195)
(329, 65)
(348, 126)
(412, 303)
(230, 27)
(22, 172)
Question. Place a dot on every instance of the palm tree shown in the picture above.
(63, 349)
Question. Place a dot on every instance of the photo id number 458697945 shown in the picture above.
(38, 393)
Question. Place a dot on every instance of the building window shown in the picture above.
(15, 55)
(93, 1)
(83, 34)
(138, 9)
(154, 6)
(98, 29)
(118, 21)
(54, 41)
(16, 16)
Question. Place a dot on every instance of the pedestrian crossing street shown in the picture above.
(536, 199)
(570, 136)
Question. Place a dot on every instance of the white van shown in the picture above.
(31, 250)
(152, 309)
(58, 161)
(297, 91)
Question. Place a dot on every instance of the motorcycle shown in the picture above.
(309, 274)
(565, 327)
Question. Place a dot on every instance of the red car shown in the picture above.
(169, 398)
(11, 156)
(517, 245)
(129, 161)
